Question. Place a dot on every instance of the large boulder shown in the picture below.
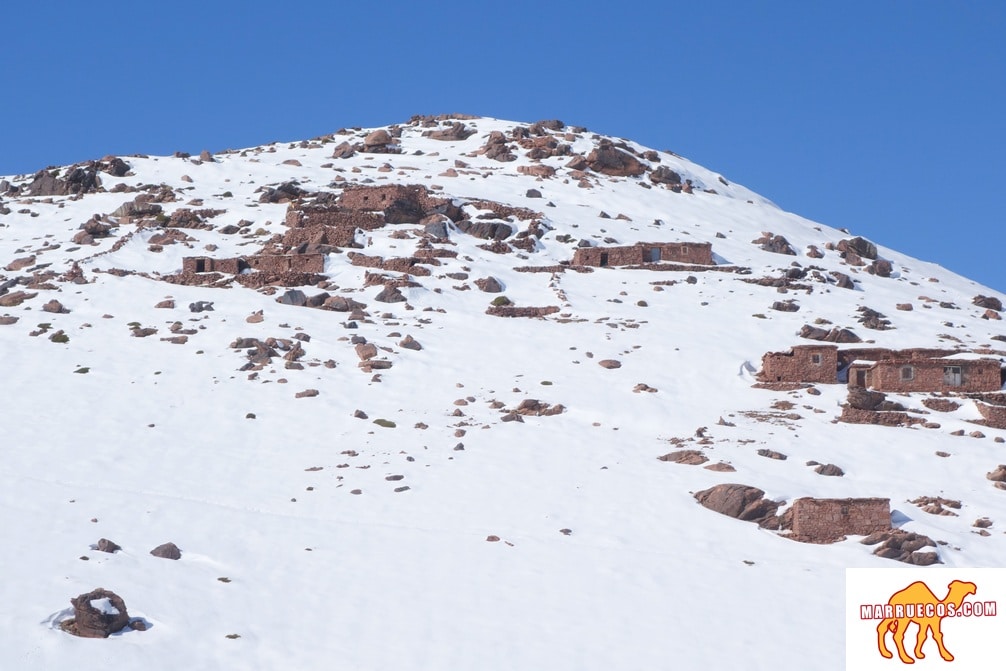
(97, 614)
(989, 302)
(608, 160)
(859, 246)
(741, 502)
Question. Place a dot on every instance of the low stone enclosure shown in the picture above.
(909, 370)
(823, 520)
(696, 253)
(270, 263)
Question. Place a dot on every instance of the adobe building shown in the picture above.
(695, 253)
(823, 520)
(802, 363)
(957, 373)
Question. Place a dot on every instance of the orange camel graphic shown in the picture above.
(916, 603)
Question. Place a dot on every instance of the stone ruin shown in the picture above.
(98, 614)
(697, 253)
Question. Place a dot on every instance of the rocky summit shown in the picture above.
(469, 393)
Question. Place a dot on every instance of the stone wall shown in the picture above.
(698, 253)
(847, 356)
(309, 216)
(798, 365)
(927, 375)
(204, 264)
(828, 519)
(852, 415)
(336, 236)
(994, 415)
(286, 263)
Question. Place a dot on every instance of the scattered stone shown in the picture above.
(307, 393)
(54, 307)
(772, 454)
(167, 304)
(609, 363)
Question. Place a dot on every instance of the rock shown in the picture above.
(390, 294)
(490, 285)
(15, 298)
(366, 351)
(307, 393)
(167, 551)
(537, 170)
(294, 297)
(608, 160)
(97, 614)
(738, 501)
(859, 246)
(864, 399)
(206, 157)
(998, 475)
(54, 307)
(786, 306)
(533, 193)
(829, 469)
(167, 304)
(105, 545)
(408, 342)
(843, 281)
(664, 175)
(609, 364)
(455, 132)
(688, 457)
(776, 244)
(903, 546)
(880, 268)
(989, 302)
(772, 454)
(201, 306)
(905, 307)
(377, 138)
(344, 150)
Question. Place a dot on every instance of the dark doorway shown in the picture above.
(604, 259)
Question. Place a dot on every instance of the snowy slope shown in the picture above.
(154, 442)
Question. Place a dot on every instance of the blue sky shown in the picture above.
(886, 118)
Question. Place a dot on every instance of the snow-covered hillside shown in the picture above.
(413, 510)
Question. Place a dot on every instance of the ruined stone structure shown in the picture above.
(269, 263)
(992, 408)
(822, 520)
(400, 203)
(698, 253)
(904, 374)
(802, 363)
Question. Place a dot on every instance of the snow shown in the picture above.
(154, 444)
(104, 606)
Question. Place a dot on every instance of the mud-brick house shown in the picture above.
(695, 253)
(825, 520)
(802, 363)
(964, 372)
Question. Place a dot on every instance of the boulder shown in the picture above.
(608, 160)
(688, 457)
(97, 614)
(390, 294)
(105, 545)
(664, 175)
(408, 342)
(377, 138)
(490, 285)
(861, 247)
(880, 268)
(864, 399)
(741, 502)
(167, 551)
(989, 302)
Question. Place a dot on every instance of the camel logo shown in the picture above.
(905, 622)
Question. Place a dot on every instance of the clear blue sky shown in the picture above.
(887, 118)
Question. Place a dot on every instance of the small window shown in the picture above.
(815, 358)
(845, 510)
(907, 373)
